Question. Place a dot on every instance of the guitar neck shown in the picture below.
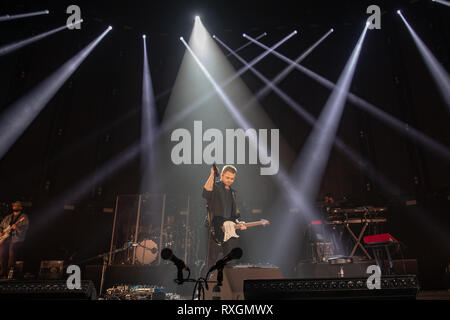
(252, 224)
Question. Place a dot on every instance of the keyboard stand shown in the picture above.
(358, 240)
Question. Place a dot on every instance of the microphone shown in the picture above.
(236, 253)
(167, 254)
(216, 171)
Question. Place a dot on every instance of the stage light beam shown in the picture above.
(445, 3)
(282, 75)
(18, 116)
(82, 187)
(315, 153)
(6, 49)
(148, 126)
(23, 15)
(247, 43)
(308, 169)
(440, 76)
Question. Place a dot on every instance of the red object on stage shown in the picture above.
(316, 222)
(379, 238)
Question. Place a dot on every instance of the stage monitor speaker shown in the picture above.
(233, 281)
(46, 290)
(392, 287)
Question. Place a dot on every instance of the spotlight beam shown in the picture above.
(309, 166)
(231, 107)
(282, 75)
(315, 153)
(4, 50)
(76, 146)
(18, 116)
(440, 76)
(248, 43)
(23, 15)
(445, 3)
(271, 84)
(148, 124)
(394, 123)
(83, 187)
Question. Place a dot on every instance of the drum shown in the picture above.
(146, 252)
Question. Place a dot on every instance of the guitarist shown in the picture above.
(221, 204)
(18, 221)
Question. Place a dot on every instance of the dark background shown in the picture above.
(96, 114)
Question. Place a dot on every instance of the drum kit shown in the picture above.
(150, 244)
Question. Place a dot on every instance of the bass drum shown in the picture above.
(146, 252)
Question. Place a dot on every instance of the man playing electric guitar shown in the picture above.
(12, 233)
(221, 206)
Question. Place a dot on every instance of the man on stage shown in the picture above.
(17, 223)
(221, 204)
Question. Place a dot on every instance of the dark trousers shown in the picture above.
(8, 253)
(214, 249)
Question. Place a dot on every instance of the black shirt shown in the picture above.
(221, 201)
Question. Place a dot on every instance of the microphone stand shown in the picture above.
(104, 257)
(216, 288)
(202, 283)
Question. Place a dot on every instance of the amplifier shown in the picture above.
(392, 287)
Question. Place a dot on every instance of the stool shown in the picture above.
(340, 261)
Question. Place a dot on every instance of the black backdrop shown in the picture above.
(95, 115)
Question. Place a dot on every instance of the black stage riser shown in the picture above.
(45, 290)
(392, 287)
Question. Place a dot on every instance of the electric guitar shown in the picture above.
(223, 230)
(7, 231)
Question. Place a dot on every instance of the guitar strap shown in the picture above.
(14, 220)
(208, 217)
(208, 212)
(233, 193)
